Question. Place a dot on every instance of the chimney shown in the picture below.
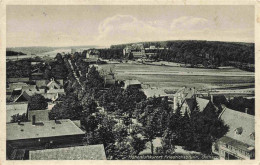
(55, 120)
(246, 110)
(193, 92)
(211, 98)
(33, 120)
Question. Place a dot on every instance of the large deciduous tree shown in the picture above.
(37, 102)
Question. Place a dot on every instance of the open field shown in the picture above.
(175, 77)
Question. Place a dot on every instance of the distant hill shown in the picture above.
(43, 49)
(13, 53)
(207, 53)
(171, 42)
(31, 50)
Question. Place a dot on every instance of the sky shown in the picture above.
(106, 25)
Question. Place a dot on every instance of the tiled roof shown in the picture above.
(25, 79)
(35, 91)
(132, 82)
(61, 91)
(18, 85)
(29, 87)
(45, 129)
(40, 83)
(202, 103)
(151, 92)
(51, 96)
(91, 152)
(234, 120)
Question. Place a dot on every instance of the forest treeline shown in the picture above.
(13, 53)
(208, 53)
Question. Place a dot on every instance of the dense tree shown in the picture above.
(16, 118)
(20, 68)
(120, 133)
(94, 80)
(47, 74)
(104, 132)
(149, 131)
(204, 129)
(137, 144)
(37, 102)
(90, 123)
(242, 104)
(59, 70)
(168, 145)
(70, 108)
(59, 58)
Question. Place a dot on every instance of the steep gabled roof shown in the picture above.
(202, 103)
(23, 96)
(235, 120)
(54, 84)
(191, 103)
(91, 152)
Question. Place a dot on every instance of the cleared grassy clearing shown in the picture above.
(155, 77)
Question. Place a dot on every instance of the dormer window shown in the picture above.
(252, 136)
(239, 130)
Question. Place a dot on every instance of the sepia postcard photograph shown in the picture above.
(129, 82)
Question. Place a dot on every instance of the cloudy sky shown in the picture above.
(106, 25)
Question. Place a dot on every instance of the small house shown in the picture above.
(132, 83)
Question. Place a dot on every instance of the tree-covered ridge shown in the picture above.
(208, 53)
(13, 53)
